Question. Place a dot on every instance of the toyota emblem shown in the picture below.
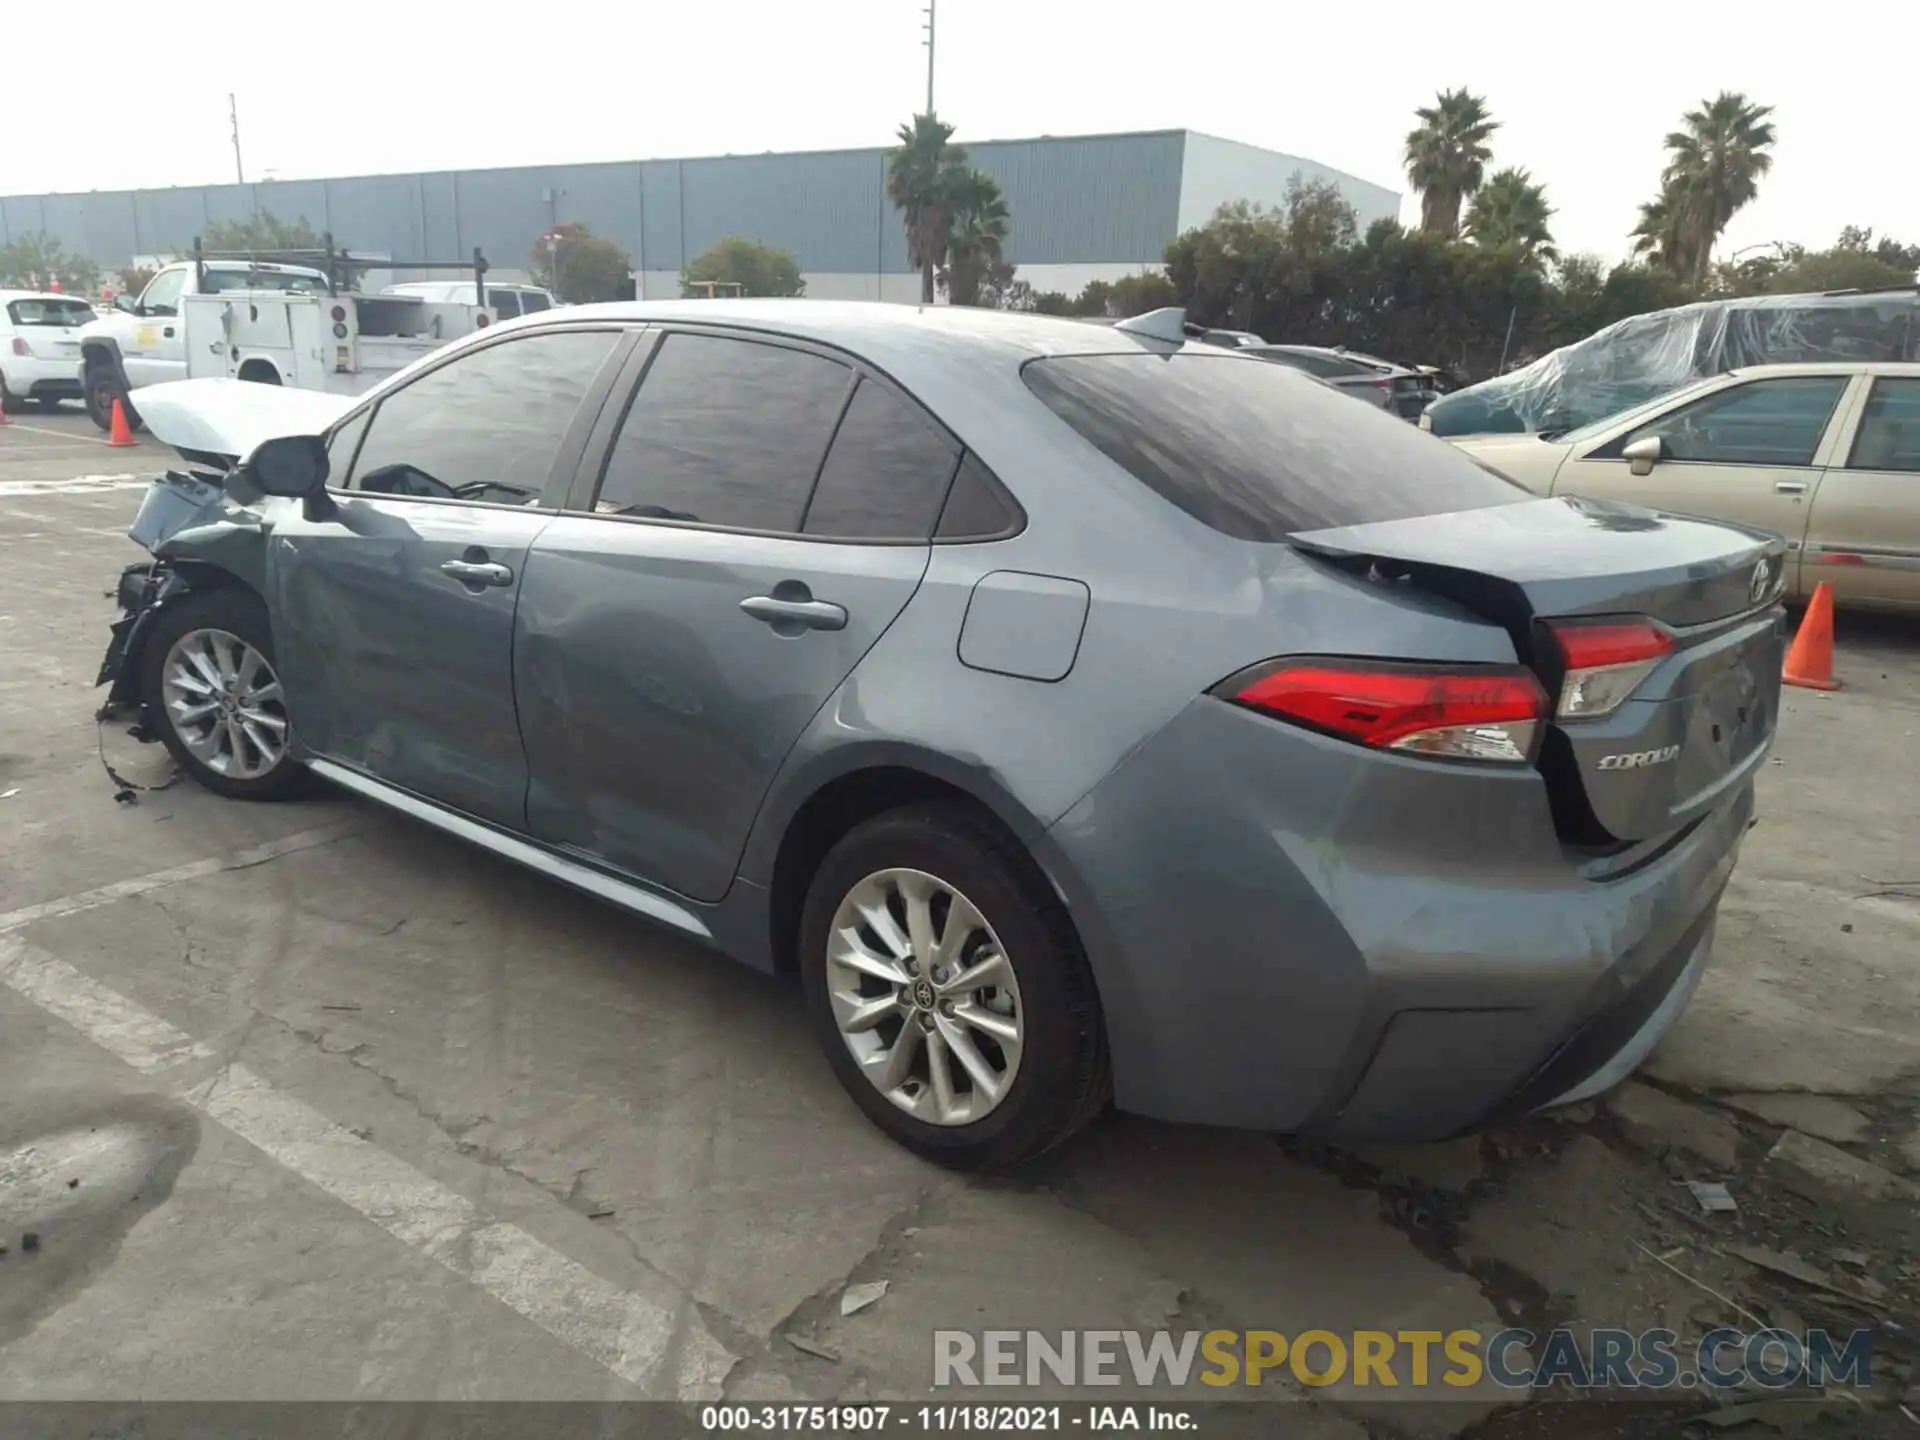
(1762, 581)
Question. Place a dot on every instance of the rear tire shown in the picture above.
(212, 695)
(1008, 1062)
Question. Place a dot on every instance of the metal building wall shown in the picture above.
(1075, 199)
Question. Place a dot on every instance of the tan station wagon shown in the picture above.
(1827, 455)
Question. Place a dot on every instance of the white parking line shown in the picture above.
(193, 870)
(655, 1340)
(76, 485)
(59, 434)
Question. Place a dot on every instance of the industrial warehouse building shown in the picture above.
(1084, 208)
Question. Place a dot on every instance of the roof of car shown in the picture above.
(6, 295)
(1831, 367)
(886, 333)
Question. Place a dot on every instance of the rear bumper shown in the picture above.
(42, 379)
(1291, 933)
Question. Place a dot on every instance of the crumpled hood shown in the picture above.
(224, 420)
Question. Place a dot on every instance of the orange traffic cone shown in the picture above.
(120, 433)
(1810, 657)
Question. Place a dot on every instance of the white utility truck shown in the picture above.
(293, 319)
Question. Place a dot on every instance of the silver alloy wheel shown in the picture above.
(224, 702)
(924, 996)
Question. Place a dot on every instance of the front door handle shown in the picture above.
(1790, 487)
(477, 573)
(168, 332)
(790, 617)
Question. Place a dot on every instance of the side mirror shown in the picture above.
(126, 305)
(293, 466)
(1643, 453)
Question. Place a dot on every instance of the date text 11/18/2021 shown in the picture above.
(944, 1419)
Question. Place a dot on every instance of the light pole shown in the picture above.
(233, 118)
(552, 197)
(929, 30)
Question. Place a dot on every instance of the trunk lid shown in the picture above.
(1696, 726)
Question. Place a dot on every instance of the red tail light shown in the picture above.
(1457, 713)
(1605, 663)
(20, 346)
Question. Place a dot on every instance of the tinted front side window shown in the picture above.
(1256, 452)
(1770, 422)
(885, 475)
(505, 304)
(725, 432)
(485, 426)
(533, 300)
(1889, 437)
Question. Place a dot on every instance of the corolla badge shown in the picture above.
(1762, 581)
(1639, 759)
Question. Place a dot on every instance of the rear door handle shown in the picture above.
(791, 616)
(168, 332)
(477, 573)
(1790, 487)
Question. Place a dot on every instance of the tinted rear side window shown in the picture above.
(725, 432)
(1255, 451)
(885, 475)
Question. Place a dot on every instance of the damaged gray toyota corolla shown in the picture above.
(1080, 712)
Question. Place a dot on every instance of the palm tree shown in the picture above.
(977, 220)
(1447, 156)
(1510, 209)
(1714, 167)
(1661, 236)
(920, 175)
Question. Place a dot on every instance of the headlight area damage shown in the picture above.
(198, 535)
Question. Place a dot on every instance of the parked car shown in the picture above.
(1078, 710)
(1647, 356)
(39, 348)
(508, 301)
(1404, 391)
(1826, 455)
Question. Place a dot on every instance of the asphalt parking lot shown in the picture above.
(356, 1112)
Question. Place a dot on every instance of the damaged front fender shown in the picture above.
(228, 550)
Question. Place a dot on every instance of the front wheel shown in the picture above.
(212, 694)
(103, 387)
(950, 991)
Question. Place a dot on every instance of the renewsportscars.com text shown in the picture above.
(1387, 1359)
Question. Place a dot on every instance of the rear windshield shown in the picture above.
(64, 314)
(1256, 450)
(220, 281)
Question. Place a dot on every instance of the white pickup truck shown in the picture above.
(144, 342)
(278, 324)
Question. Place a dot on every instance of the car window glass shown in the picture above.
(886, 472)
(58, 314)
(505, 303)
(1255, 452)
(1769, 422)
(486, 425)
(976, 508)
(162, 295)
(724, 432)
(341, 444)
(534, 300)
(1889, 435)
(222, 281)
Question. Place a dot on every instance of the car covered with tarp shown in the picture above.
(1645, 356)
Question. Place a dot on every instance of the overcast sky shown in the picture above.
(1584, 93)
